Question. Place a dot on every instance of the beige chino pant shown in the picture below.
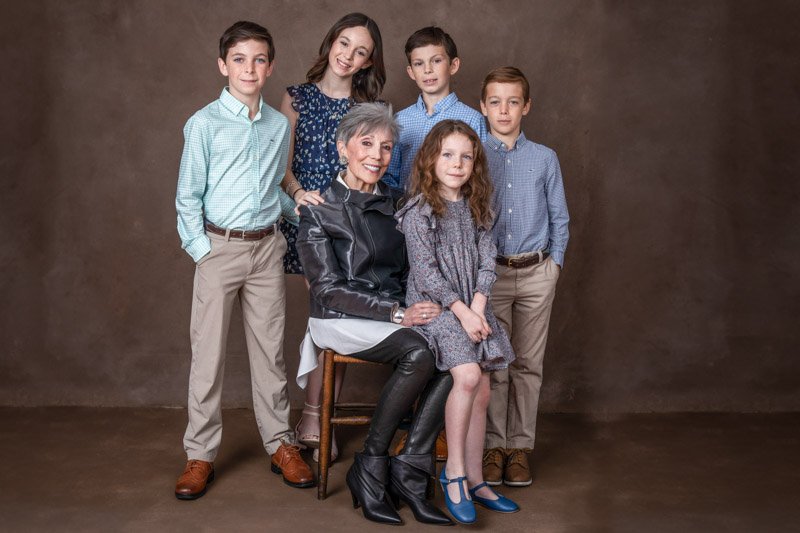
(521, 299)
(253, 271)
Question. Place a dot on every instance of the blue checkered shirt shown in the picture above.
(415, 123)
(529, 198)
(231, 170)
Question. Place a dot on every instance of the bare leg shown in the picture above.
(458, 412)
(475, 437)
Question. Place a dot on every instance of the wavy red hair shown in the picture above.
(477, 190)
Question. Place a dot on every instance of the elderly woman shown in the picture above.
(355, 261)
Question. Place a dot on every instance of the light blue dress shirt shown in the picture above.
(231, 170)
(529, 198)
(415, 123)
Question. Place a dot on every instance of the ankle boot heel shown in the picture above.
(367, 480)
(409, 475)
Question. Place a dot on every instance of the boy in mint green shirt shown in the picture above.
(229, 201)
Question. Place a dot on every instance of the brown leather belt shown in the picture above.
(522, 262)
(254, 235)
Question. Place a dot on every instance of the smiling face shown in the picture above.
(454, 165)
(350, 52)
(368, 156)
(431, 68)
(247, 67)
(504, 106)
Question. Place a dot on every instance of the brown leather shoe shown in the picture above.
(441, 447)
(195, 479)
(398, 449)
(287, 462)
(494, 459)
(517, 472)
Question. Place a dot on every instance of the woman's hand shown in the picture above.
(421, 313)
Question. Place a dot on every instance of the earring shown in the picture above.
(343, 160)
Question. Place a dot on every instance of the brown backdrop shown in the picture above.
(676, 124)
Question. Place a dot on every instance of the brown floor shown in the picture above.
(82, 469)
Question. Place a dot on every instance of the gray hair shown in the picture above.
(367, 118)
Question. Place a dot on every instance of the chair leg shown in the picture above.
(325, 425)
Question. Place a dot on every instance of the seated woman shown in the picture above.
(355, 261)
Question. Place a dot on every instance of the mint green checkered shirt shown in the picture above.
(231, 170)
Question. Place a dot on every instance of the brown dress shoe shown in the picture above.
(195, 479)
(494, 460)
(287, 462)
(518, 472)
(441, 447)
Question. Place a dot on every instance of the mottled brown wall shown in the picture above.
(676, 124)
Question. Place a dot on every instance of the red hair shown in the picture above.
(477, 190)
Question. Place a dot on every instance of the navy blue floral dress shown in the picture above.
(316, 161)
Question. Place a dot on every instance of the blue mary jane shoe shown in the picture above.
(464, 510)
(500, 505)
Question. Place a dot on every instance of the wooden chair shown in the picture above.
(329, 418)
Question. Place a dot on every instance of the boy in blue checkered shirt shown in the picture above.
(531, 234)
(229, 201)
(432, 60)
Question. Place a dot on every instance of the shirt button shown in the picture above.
(509, 185)
(509, 236)
(509, 210)
(508, 161)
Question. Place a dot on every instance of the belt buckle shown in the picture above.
(511, 262)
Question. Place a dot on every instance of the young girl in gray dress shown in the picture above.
(447, 224)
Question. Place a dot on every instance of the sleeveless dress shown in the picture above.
(315, 160)
(450, 260)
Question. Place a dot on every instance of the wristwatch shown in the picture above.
(398, 314)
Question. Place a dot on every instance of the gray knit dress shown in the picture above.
(450, 260)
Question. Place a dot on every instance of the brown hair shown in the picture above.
(367, 82)
(506, 75)
(431, 35)
(477, 190)
(243, 31)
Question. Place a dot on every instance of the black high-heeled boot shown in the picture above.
(367, 480)
(409, 475)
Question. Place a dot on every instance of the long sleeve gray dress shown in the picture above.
(451, 259)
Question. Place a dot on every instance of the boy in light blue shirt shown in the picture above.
(432, 60)
(229, 201)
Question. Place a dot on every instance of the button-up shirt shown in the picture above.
(231, 170)
(529, 198)
(415, 123)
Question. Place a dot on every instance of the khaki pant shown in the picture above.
(521, 299)
(253, 271)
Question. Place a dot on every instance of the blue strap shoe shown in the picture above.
(500, 505)
(464, 510)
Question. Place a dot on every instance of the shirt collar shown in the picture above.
(232, 104)
(443, 104)
(496, 143)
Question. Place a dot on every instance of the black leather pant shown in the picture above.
(414, 377)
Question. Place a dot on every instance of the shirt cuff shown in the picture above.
(558, 257)
(199, 248)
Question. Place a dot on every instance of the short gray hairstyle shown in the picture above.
(367, 118)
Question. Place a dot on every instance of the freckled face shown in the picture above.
(454, 165)
(368, 156)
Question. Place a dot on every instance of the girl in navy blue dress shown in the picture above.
(349, 70)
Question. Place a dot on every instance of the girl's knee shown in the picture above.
(467, 378)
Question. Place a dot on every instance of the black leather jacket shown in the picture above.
(353, 255)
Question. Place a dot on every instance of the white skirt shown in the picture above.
(343, 335)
